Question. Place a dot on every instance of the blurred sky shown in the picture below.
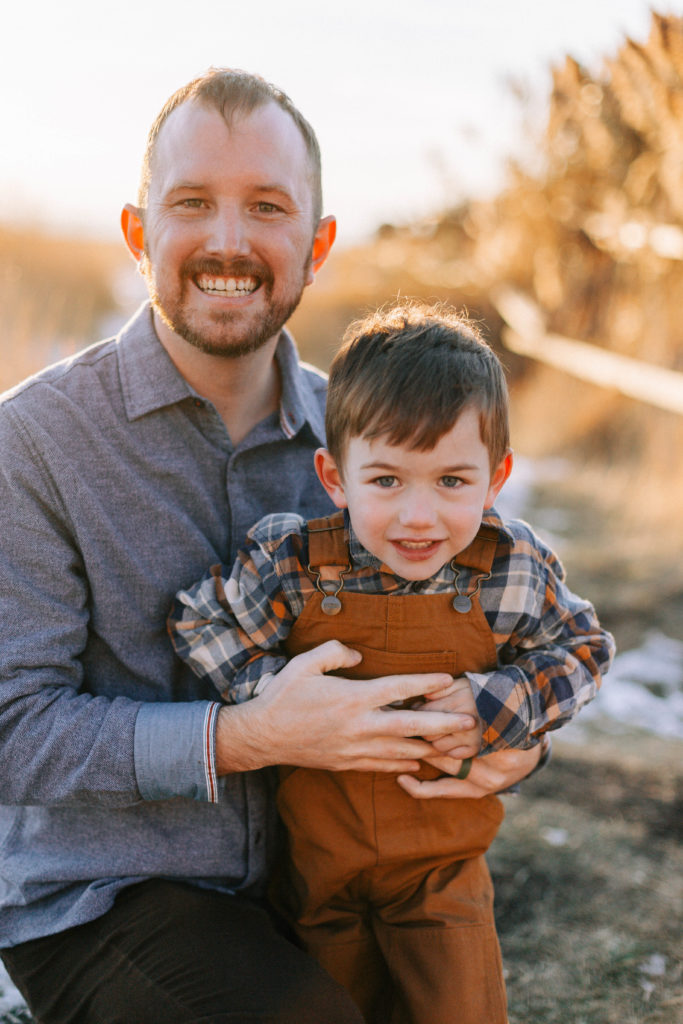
(409, 99)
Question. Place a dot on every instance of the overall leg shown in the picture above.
(441, 947)
(344, 944)
(173, 953)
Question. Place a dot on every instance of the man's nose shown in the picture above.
(228, 236)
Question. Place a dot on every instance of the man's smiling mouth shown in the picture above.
(226, 285)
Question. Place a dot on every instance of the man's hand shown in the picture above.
(488, 774)
(307, 718)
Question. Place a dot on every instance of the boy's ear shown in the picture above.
(498, 478)
(329, 476)
(133, 232)
(322, 243)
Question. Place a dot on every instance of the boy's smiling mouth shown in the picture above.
(416, 547)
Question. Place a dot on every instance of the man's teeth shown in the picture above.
(227, 285)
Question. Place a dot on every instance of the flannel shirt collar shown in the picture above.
(362, 558)
(150, 381)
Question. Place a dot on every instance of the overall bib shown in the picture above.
(391, 894)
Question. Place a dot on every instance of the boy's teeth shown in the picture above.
(416, 543)
(228, 285)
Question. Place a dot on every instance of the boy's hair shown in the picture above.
(233, 93)
(406, 372)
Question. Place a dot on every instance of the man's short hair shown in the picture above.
(233, 94)
(406, 372)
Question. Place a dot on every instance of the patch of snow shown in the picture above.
(655, 966)
(10, 997)
(555, 836)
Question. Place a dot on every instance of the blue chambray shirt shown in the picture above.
(118, 486)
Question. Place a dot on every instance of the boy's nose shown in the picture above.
(417, 511)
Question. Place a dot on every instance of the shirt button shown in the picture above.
(199, 403)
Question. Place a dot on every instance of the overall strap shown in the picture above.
(327, 543)
(480, 553)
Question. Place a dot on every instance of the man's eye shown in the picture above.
(451, 481)
(268, 208)
(384, 481)
(192, 204)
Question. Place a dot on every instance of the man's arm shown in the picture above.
(60, 743)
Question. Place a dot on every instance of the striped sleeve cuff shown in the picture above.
(175, 751)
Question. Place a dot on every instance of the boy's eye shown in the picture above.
(451, 481)
(384, 481)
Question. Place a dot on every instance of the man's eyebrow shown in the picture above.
(271, 187)
(185, 186)
(265, 188)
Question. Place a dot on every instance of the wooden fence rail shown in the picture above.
(526, 335)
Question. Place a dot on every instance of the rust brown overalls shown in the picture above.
(391, 894)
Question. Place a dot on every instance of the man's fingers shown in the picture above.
(325, 658)
(424, 723)
(431, 789)
(389, 689)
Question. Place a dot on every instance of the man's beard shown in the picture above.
(233, 338)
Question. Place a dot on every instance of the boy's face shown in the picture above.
(416, 510)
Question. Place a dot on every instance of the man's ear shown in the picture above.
(133, 231)
(322, 243)
(498, 478)
(329, 476)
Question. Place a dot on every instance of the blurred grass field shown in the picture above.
(588, 871)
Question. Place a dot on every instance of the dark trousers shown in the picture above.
(168, 953)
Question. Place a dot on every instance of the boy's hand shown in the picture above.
(457, 698)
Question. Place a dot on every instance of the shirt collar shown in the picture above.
(150, 381)
(302, 386)
(361, 557)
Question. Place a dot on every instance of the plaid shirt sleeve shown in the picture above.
(229, 627)
(552, 651)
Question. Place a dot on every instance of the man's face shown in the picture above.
(415, 510)
(229, 227)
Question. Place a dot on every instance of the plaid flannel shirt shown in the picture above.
(552, 652)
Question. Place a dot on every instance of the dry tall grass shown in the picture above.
(595, 238)
(55, 294)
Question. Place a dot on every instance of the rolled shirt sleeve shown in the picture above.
(175, 751)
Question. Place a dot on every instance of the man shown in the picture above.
(135, 835)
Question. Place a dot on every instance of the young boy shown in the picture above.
(419, 574)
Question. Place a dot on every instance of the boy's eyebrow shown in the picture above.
(378, 465)
(444, 469)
